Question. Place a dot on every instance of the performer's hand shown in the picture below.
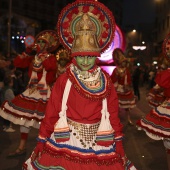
(23, 55)
(43, 56)
(37, 151)
(35, 48)
(156, 87)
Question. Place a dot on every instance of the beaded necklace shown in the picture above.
(93, 85)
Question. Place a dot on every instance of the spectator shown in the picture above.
(135, 81)
(19, 81)
(151, 81)
(8, 95)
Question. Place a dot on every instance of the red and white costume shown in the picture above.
(79, 146)
(81, 128)
(28, 108)
(156, 124)
(155, 96)
(122, 82)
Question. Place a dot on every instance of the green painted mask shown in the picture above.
(42, 44)
(86, 62)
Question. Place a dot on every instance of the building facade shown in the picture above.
(46, 12)
(162, 23)
(33, 16)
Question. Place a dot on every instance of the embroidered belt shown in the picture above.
(86, 133)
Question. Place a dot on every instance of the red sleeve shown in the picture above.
(29, 49)
(53, 108)
(113, 110)
(114, 76)
(50, 63)
(22, 62)
(115, 121)
(163, 79)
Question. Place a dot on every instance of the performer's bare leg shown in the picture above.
(168, 158)
(128, 116)
(24, 135)
(22, 144)
(166, 143)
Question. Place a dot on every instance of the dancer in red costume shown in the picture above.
(81, 128)
(122, 81)
(27, 109)
(156, 96)
(156, 124)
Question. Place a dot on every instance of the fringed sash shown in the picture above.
(105, 132)
(61, 129)
(33, 80)
(41, 85)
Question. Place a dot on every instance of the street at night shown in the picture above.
(72, 72)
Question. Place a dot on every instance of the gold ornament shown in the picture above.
(85, 40)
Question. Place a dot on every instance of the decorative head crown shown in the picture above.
(50, 37)
(86, 27)
(85, 40)
(62, 53)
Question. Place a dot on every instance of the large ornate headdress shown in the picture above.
(63, 53)
(86, 27)
(85, 40)
(166, 47)
(50, 37)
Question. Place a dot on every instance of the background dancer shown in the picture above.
(27, 109)
(122, 81)
(156, 123)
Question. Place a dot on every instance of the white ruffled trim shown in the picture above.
(21, 121)
(151, 135)
(35, 95)
(163, 110)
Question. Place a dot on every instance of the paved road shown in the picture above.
(145, 153)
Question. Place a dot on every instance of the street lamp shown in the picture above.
(142, 47)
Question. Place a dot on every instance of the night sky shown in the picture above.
(138, 11)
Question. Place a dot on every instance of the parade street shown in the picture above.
(145, 153)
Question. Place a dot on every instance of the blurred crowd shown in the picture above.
(140, 75)
(12, 83)
(14, 80)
